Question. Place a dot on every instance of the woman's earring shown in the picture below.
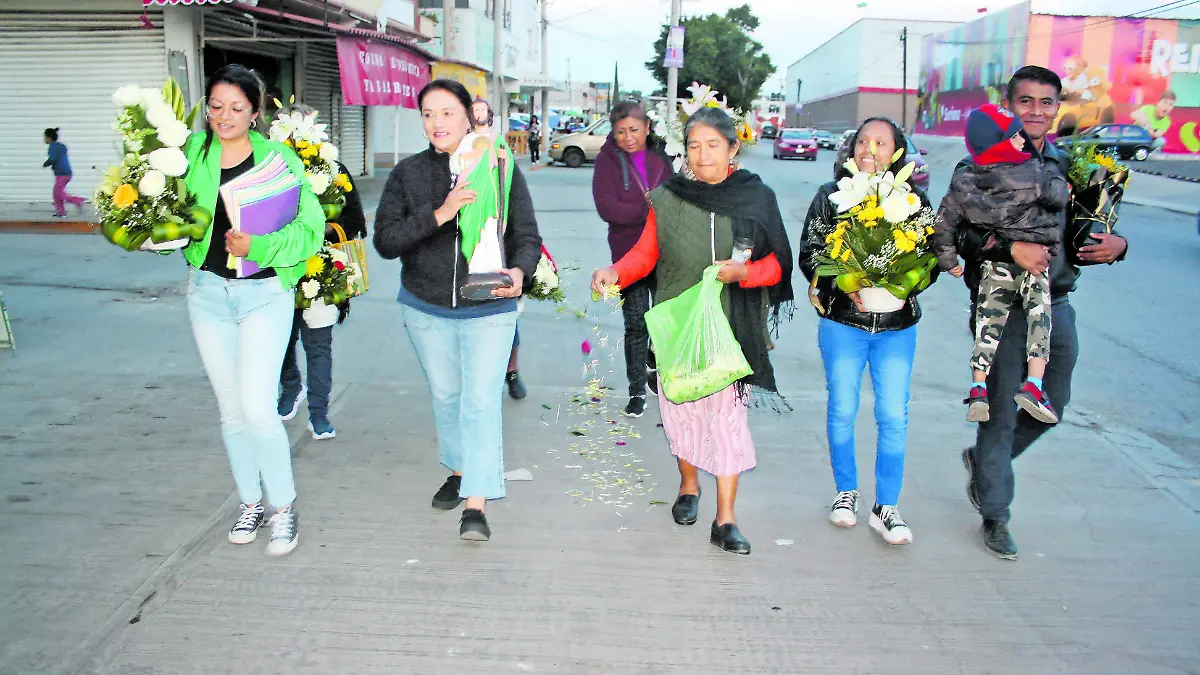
(207, 116)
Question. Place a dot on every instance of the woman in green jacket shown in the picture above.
(242, 325)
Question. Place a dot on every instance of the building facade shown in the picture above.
(1114, 70)
(858, 74)
(61, 60)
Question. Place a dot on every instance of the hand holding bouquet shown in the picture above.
(143, 202)
(1098, 183)
(880, 236)
(546, 282)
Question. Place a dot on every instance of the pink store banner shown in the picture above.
(379, 73)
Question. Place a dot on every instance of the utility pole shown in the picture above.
(500, 104)
(447, 28)
(673, 73)
(616, 90)
(904, 83)
(544, 120)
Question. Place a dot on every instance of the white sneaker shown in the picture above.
(887, 522)
(285, 526)
(845, 509)
(245, 530)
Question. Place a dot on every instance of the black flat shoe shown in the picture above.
(729, 538)
(516, 386)
(473, 526)
(446, 498)
(686, 509)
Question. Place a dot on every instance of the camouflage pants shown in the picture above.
(1001, 287)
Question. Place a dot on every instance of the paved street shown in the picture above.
(117, 495)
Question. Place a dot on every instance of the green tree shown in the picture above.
(718, 51)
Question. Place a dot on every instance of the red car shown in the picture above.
(795, 143)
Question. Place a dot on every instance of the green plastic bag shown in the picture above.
(694, 346)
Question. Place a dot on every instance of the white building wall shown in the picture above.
(386, 125)
(829, 69)
(882, 51)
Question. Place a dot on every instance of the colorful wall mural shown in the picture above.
(1129, 71)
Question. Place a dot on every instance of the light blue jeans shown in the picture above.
(464, 362)
(242, 328)
(846, 351)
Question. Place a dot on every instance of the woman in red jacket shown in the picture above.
(626, 171)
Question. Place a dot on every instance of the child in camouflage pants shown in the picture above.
(1009, 195)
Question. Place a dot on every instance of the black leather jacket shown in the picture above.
(838, 306)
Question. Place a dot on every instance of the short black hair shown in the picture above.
(52, 134)
(455, 89)
(1033, 74)
(627, 108)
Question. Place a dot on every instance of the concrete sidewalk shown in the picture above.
(113, 556)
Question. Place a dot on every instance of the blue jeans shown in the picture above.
(318, 357)
(846, 351)
(241, 328)
(465, 361)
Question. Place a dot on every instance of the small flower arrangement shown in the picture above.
(143, 202)
(546, 283)
(1099, 182)
(330, 278)
(671, 126)
(880, 237)
(302, 134)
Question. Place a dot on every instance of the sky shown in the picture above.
(587, 37)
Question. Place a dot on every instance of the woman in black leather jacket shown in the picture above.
(851, 339)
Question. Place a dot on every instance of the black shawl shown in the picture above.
(755, 213)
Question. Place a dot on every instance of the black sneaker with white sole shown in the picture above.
(245, 530)
(887, 522)
(844, 512)
(473, 526)
(636, 406)
(446, 498)
(285, 531)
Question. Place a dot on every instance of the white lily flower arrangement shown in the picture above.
(671, 126)
(309, 139)
(880, 238)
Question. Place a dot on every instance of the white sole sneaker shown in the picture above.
(896, 537)
(321, 437)
(243, 537)
(843, 517)
(278, 548)
(296, 406)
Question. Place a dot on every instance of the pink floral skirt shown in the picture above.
(712, 434)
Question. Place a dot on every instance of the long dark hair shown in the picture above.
(238, 76)
(52, 134)
(455, 89)
(897, 137)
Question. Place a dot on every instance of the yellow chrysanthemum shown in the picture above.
(124, 196)
(314, 266)
(845, 255)
(713, 104)
(309, 151)
(928, 230)
(870, 223)
(837, 247)
(914, 236)
(301, 144)
(902, 242)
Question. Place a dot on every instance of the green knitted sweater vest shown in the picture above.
(686, 238)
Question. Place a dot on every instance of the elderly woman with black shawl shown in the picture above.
(696, 217)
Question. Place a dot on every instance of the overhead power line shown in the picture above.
(1144, 14)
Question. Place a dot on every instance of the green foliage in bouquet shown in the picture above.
(329, 275)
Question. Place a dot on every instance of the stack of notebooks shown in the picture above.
(261, 201)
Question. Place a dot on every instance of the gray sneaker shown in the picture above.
(285, 531)
(289, 405)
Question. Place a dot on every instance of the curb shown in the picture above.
(1151, 172)
(47, 227)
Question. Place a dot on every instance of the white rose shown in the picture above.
(173, 134)
(153, 184)
(160, 116)
(310, 288)
(328, 152)
(338, 255)
(151, 98)
(319, 181)
(127, 96)
(170, 161)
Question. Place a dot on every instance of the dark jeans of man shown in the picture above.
(637, 338)
(1009, 432)
(318, 354)
(534, 148)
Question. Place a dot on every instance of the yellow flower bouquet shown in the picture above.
(303, 134)
(880, 237)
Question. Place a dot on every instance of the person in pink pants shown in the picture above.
(58, 162)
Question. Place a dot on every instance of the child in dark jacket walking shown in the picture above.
(1010, 195)
(57, 160)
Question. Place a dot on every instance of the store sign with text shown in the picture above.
(379, 73)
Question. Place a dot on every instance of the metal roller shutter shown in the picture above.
(347, 124)
(353, 146)
(60, 70)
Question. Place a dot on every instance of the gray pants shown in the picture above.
(1008, 433)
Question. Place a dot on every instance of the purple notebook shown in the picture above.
(264, 217)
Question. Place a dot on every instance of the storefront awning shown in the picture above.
(376, 73)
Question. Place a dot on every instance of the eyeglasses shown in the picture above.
(233, 110)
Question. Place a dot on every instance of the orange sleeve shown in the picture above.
(765, 272)
(641, 259)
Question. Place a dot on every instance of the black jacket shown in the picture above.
(352, 220)
(433, 266)
(976, 245)
(838, 306)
